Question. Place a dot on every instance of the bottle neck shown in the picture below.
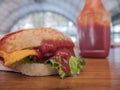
(93, 3)
(92, 6)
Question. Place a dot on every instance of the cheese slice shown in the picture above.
(16, 56)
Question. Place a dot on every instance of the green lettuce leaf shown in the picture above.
(75, 65)
(57, 66)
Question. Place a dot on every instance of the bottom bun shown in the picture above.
(36, 69)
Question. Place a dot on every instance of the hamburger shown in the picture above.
(40, 52)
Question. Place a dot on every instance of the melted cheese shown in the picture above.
(16, 56)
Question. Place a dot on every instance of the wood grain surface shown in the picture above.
(98, 74)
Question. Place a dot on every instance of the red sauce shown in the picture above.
(94, 41)
(65, 56)
(51, 48)
(94, 30)
(53, 45)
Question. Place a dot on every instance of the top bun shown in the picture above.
(29, 38)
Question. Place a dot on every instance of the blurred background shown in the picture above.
(58, 14)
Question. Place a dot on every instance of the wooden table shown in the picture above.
(98, 74)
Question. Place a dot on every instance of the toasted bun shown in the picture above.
(36, 69)
(29, 38)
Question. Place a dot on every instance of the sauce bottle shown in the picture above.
(94, 30)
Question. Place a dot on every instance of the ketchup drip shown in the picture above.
(53, 45)
(54, 49)
(65, 56)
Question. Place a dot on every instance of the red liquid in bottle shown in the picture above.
(94, 30)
